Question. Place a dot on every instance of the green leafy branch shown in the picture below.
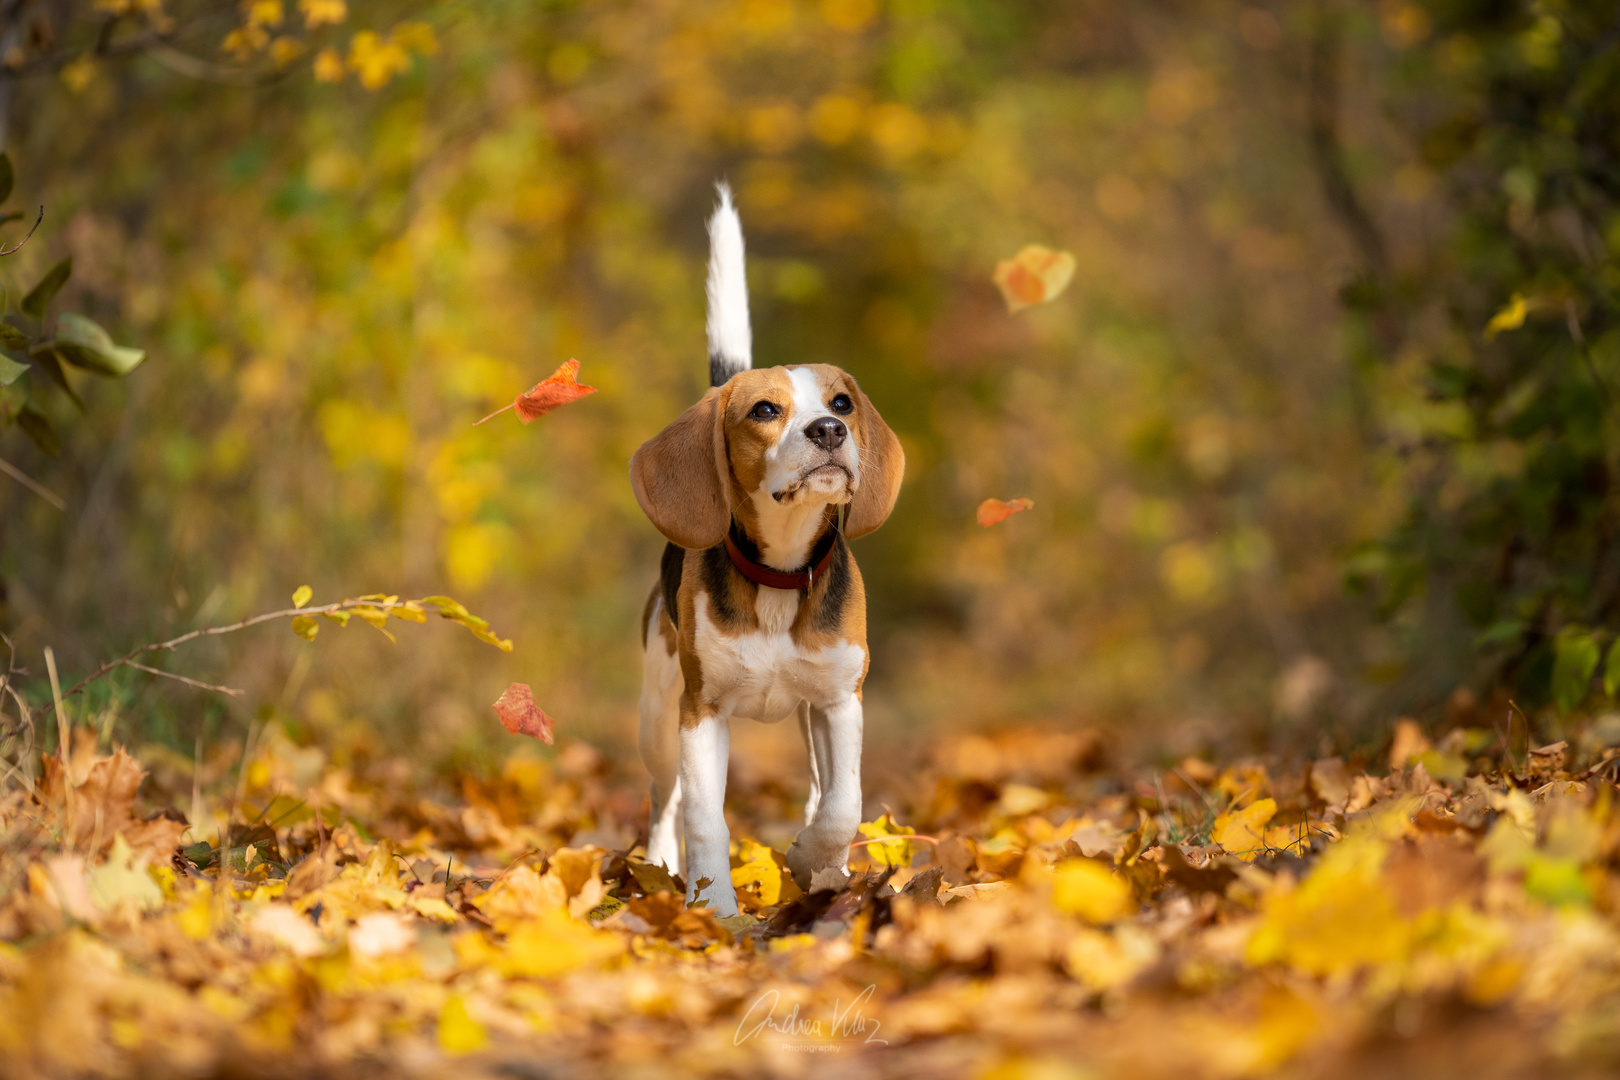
(27, 347)
(374, 608)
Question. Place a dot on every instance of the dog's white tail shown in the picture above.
(731, 342)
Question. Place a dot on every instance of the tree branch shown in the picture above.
(28, 482)
(1322, 120)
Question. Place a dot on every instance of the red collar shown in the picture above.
(776, 579)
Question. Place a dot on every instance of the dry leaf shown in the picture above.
(557, 389)
(520, 715)
(1033, 276)
(992, 511)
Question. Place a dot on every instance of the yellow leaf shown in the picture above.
(329, 66)
(306, 627)
(1090, 890)
(410, 611)
(1242, 832)
(555, 944)
(301, 595)
(459, 1033)
(1343, 916)
(265, 13)
(759, 871)
(320, 12)
(889, 852)
(122, 877)
(1509, 318)
(431, 907)
(339, 617)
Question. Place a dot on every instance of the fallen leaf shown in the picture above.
(287, 928)
(1242, 832)
(888, 852)
(1090, 890)
(521, 716)
(558, 388)
(381, 933)
(459, 1033)
(992, 511)
(1033, 276)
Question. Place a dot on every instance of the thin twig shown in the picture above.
(14, 248)
(24, 479)
(214, 631)
(231, 690)
(64, 733)
(1574, 323)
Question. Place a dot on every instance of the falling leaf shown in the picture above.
(520, 715)
(1242, 832)
(1033, 276)
(1509, 318)
(992, 511)
(558, 388)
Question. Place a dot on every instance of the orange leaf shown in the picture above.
(992, 511)
(558, 388)
(1033, 276)
(521, 716)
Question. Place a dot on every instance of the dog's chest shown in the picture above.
(764, 674)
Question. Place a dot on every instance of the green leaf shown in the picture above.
(46, 360)
(38, 428)
(40, 296)
(11, 371)
(13, 338)
(306, 627)
(85, 344)
(8, 177)
(1575, 662)
(1611, 670)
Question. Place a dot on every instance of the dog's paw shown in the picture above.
(810, 862)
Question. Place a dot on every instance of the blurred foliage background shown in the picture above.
(1287, 484)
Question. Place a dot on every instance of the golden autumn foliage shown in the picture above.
(343, 920)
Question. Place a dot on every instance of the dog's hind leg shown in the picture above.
(814, 800)
(661, 685)
(835, 732)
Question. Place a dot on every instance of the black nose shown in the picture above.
(827, 432)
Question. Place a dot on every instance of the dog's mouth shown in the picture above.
(829, 478)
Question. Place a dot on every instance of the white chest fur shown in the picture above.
(763, 675)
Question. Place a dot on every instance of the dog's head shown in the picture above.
(802, 435)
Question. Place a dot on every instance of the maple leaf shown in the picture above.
(1242, 832)
(992, 511)
(1033, 276)
(558, 388)
(520, 715)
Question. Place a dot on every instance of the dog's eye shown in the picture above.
(841, 404)
(765, 411)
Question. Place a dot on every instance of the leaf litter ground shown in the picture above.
(1041, 914)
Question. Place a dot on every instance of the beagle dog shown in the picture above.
(759, 611)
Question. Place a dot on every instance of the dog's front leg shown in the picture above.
(835, 734)
(705, 752)
(810, 753)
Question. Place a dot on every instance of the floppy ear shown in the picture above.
(883, 466)
(682, 480)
